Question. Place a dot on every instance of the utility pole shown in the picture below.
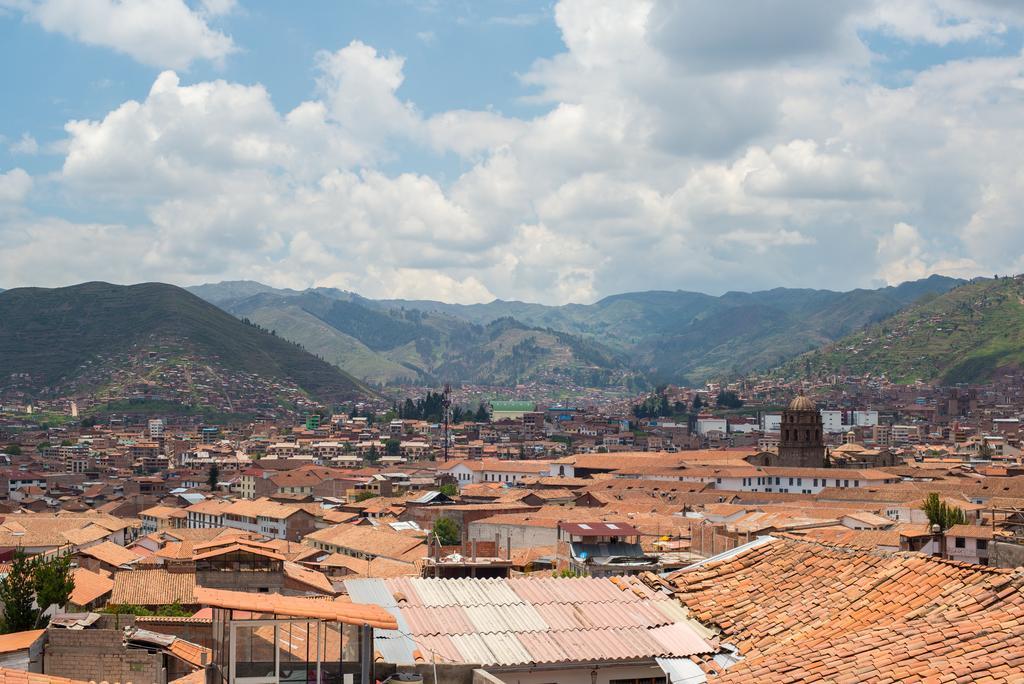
(446, 407)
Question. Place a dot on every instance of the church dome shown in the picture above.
(802, 403)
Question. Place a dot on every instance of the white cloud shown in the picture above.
(160, 33)
(903, 256)
(25, 145)
(14, 186)
(731, 159)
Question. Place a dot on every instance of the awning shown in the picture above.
(294, 606)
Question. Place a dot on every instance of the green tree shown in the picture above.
(727, 399)
(942, 514)
(372, 456)
(363, 496)
(985, 450)
(13, 450)
(393, 447)
(447, 532)
(449, 489)
(53, 582)
(17, 596)
(213, 476)
(698, 404)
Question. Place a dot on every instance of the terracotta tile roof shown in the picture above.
(337, 611)
(193, 654)
(196, 677)
(310, 579)
(21, 677)
(111, 553)
(161, 512)
(85, 535)
(47, 530)
(377, 567)
(370, 540)
(971, 531)
(153, 587)
(805, 611)
(89, 586)
(18, 641)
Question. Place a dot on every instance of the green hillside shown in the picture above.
(661, 336)
(87, 335)
(410, 345)
(964, 335)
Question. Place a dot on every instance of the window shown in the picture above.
(961, 543)
(778, 480)
(815, 482)
(856, 483)
(982, 544)
(790, 482)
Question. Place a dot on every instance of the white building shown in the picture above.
(865, 418)
(156, 428)
(707, 425)
(832, 421)
(771, 422)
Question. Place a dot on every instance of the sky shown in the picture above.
(515, 149)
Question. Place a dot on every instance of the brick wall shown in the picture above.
(99, 655)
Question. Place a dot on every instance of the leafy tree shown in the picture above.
(482, 416)
(985, 450)
(17, 596)
(727, 399)
(393, 447)
(942, 514)
(42, 445)
(213, 476)
(698, 404)
(66, 442)
(449, 489)
(363, 496)
(373, 455)
(447, 532)
(565, 572)
(13, 450)
(53, 582)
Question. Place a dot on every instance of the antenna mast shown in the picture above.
(446, 407)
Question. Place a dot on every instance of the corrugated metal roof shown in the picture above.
(518, 617)
(394, 648)
(542, 648)
(560, 616)
(524, 620)
(680, 639)
(681, 671)
(473, 649)
(506, 648)
(437, 620)
(370, 591)
(438, 648)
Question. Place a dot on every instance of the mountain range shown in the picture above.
(632, 339)
(151, 339)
